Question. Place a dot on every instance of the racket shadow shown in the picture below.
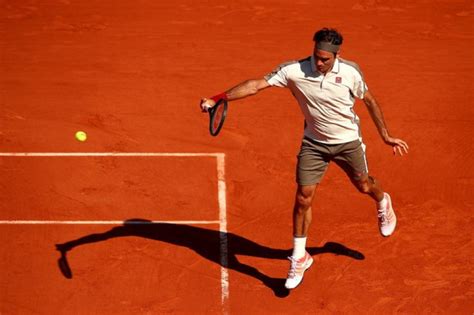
(205, 242)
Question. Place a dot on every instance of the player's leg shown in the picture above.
(367, 184)
(351, 157)
(302, 210)
(386, 215)
(300, 260)
(312, 164)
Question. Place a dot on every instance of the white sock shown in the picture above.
(299, 247)
(382, 204)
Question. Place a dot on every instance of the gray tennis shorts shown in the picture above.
(314, 159)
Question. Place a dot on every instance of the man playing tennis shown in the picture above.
(325, 86)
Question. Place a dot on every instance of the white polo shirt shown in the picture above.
(326, 101)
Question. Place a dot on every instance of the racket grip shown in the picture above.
(206, 107)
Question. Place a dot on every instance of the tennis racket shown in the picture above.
(217, 116)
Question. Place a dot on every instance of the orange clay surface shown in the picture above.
(131, 74)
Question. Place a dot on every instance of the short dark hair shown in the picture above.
(329, 35)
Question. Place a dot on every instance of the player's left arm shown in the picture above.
(398, 145)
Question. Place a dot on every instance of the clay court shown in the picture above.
(155, 216)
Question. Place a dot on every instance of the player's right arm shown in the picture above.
(241, 90)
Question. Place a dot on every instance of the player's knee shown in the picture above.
(303, 202)
(363, 186)
(304, 197)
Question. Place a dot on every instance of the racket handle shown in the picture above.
(206, 107)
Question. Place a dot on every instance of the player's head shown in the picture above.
(328, 39)
(327, 42)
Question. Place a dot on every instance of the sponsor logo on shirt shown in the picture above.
(338, 80)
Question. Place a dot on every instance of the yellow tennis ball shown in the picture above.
(81, 136)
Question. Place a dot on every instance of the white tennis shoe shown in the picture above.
(387, 218)
(297, 269)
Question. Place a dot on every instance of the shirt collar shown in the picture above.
(335, 67)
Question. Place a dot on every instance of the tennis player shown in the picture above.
(325, 86)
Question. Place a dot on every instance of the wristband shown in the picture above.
(218, 97)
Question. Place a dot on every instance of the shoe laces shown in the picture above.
(383, 215)
(294, 265)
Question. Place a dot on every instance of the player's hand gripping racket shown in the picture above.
(217, 115)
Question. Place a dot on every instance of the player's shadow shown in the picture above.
(210, 244)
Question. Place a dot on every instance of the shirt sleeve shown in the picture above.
(279, 76)
(360, 87)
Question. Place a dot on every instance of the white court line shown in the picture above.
(221, 189)
(221, 186)
(65, 222)
(118, 154)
